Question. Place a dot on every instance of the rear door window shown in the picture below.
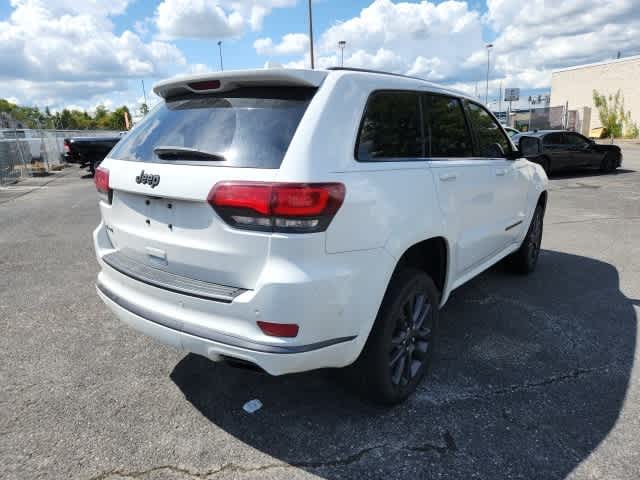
(391, 128)
(575, 140)
(446, 127)
(492, 142)
(248, 127)
(553, 139)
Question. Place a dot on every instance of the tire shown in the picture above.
(545, 163)
(608, 164)
(400, 347)
(525, 259)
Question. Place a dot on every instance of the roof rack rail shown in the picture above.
(366, 70)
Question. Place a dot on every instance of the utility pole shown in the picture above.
(144, 94)
(220, 49)
(311, 35)
(486, 94)
(500, 101)
(342, 44)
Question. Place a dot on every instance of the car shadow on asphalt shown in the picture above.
(584, 173)
(531, 377)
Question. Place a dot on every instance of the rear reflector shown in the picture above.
(279, 329)
(277, 207)
(205, 85)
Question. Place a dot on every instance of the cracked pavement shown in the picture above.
(536, 376)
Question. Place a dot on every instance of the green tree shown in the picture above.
(116, 118)
(144, 109)
(612, 114)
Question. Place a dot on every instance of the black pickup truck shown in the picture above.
(89, 151)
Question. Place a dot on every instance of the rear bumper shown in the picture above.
(334, 303)
(273, 359)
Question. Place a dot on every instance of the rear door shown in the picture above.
(162, 172)
(465, 183)
(511, 184)
(557, 150)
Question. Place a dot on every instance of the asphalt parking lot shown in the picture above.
(538, 377)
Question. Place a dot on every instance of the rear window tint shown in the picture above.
(553, 139)
(391, 128)
(248, 127)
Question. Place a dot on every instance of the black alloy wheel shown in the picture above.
(401, 345)
(411, 339)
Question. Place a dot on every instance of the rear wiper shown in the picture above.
(183, 153)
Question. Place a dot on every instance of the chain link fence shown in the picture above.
(28, 152)
(542, 118)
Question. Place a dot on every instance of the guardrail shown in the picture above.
(26, 152)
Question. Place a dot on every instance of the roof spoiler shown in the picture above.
(230, 80)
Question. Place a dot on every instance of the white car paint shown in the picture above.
(330, 283)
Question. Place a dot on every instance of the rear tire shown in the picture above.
(400, 347)
(546, 165)
(525, 259)
(608, 164)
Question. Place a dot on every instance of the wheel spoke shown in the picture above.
(417, 309)
(397, 370)
(425, 311)
(407, 365)
(424, 334)
(415, 366)
(397, 340)
(422, 348)
(400, 352)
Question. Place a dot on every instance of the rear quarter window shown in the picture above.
(248, 127)
(391, 128)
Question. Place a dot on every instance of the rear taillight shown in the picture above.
(101, 179)
(66, 146)
(277, 207)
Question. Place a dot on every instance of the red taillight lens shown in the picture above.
(101, 179)
(279, 329)
(277, 207)
(242, 196)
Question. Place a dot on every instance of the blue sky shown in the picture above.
(69, 53)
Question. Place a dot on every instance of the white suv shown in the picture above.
(297, 219)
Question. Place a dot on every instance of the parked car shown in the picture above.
(302, 219)
(562, 149)
(89, 151)
(512, 132)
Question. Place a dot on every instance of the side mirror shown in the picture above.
(529, 146)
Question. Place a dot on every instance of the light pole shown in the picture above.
(486, 94)
(220, 49)
(342, 44)
(311, 35)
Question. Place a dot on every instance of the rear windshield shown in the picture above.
(244, 128)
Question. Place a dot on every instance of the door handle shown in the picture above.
(447, 177)
(501, 172)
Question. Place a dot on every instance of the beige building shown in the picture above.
(575, 85)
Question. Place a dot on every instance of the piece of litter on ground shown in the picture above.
(252, 406)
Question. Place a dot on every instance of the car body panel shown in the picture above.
(329, 283)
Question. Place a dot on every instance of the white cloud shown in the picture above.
(291, 43)
(208, 19)
(444, 42)
(199, 68)
(417, 38)
(63, 49)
